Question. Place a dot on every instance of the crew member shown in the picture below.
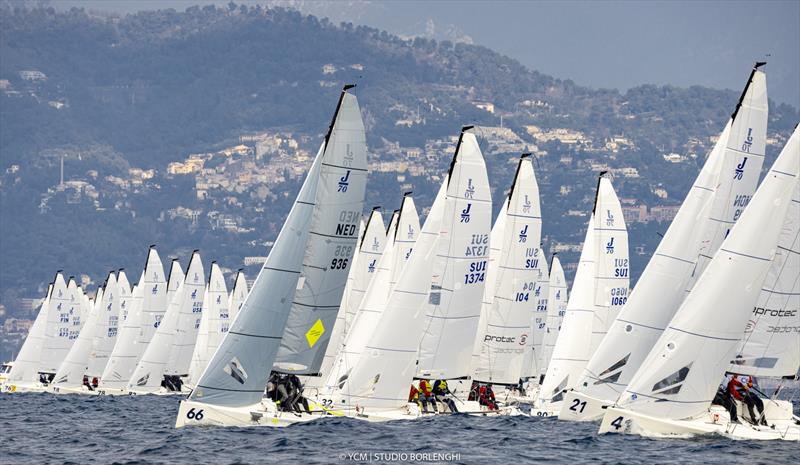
(426, 395)
(442, 394)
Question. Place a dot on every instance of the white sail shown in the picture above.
(331, 244)
(401, 235)
(105, 334)
(556, 309)
(679, 377)
(189, 317)
(149, 372)
(490, 285)
(454, 306)
(64, 302)
(612, 276)
(237, 373)
(506, 339)
(771, 343)
(26, 366)
(236, 299)
(341, 326)
(572, 349)
(694, 234)
(154, 302)
(370, 250)
(213, 324)
(125, 356)
(541, 289)
(73, 368)
(381, 378)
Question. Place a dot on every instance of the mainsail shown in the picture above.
(64, 302)
(556, 308)
(105, 333)
(679, 377)
(722, 188)
(454, 305)
(771, 343)
(506, 339)
(124, 357)
(213, 324)
(401, 236)
(331, 244)
(149, 372)
(188, 321)
(328, 208)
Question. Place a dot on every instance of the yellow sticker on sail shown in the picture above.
(313, 334)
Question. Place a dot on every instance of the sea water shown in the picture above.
(72, 429)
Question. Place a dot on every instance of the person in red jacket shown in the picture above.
(426, 395)
(740, 388)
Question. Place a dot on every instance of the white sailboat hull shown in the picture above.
(11, 387)
(580, 407)
(193, 413)
(716, 421)
(83, 390)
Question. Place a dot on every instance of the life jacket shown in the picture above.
(413, 395)
(736, 388)
(424, 387)
(441, 386)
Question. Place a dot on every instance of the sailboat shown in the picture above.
(314, 248)
(24, 373)
(506, 339)
(672, 392)
(599, 290)
(86, 360)
(444, 277)
(713, 204)
(165, 358)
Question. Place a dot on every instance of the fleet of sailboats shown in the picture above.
(355, 312)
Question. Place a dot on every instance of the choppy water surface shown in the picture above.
(43, 428)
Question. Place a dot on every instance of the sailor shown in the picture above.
(413, 394)
(723, 398)
(442, 394)
(426, 395)
(87, 384)
(297, 398)
(741, 389)
(486, 397)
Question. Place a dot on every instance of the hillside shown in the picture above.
(116, 97)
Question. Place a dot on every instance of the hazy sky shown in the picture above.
(614, 44)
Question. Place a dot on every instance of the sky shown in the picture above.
(600, 44)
